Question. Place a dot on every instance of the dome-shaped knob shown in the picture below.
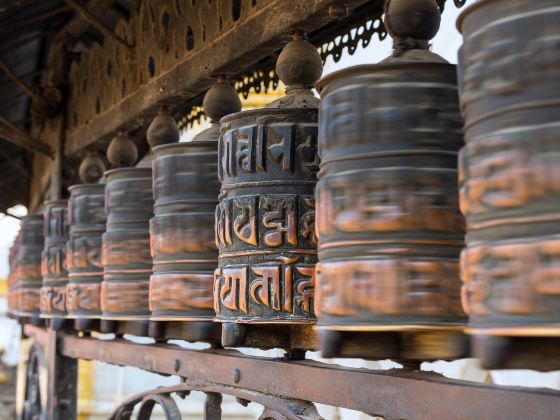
(221, 100)
(416, 19)
(92, 168)
(299, 63)
(163, 128)
(122, 151)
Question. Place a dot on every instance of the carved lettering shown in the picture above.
(279, 221)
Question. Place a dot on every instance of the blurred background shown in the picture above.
(103, 387)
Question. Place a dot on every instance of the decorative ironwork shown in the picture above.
(508, 184)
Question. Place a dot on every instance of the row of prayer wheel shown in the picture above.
(339, 216)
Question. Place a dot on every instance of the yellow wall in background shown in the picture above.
(3, 287)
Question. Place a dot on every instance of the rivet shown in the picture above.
(176, 365)
(236, 375)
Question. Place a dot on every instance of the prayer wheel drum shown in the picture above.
(388, 221)
(182, 236)
(509, 190)
(53, 261)
(265, 222)
(125, 255)
(26, 270)
(86, 220)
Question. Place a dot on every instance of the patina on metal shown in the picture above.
(53, 260)
(186, 188)
(265, 222)
(390, 231)
(26, 268)
(509, 194)
(86, 220)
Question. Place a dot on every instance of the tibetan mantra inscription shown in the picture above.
(182, 239)
(53, 263)
(265, 222)
(86, 219)
(126, 244)
(27, 267)
(509, 168)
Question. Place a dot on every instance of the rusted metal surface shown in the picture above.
(26, 269)
(86, 219)
(126, 255)
(182, 236)
(62, 381)
(390, 231)
(390, 394)
(508, 183)
(53, 265)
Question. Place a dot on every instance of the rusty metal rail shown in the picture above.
(396, 393)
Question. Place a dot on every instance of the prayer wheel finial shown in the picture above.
(91, 168)
(163, 128)
(122, 151)
(221, 100)
(299, 67)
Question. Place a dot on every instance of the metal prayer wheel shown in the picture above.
(265, 222)
(53, 260)
(86, 220)
(12, 278)
(510, 89)
(183, 248)
(389, 227)
(26, 268)
(125, 255)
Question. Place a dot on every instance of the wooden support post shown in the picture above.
(62, 381)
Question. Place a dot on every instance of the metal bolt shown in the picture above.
(176, 365)
(236, 375)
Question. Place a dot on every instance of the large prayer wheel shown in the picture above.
(26, 269)
(53, 265)
(510, 90)
(12, 279)
(183, 248)
(86, 219)
(389, 227)
(126, 255)
(265, 222)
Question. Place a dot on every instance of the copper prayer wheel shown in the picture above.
(389, 227)
(53, 260)
(125, 255)
(265, 222)
(183, 248)
(510, 90)
(86, 220)
(26, 270)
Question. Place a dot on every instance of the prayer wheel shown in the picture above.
(26, 267)
(509, 70)
(12, 279)
(184, 252)
(86, 220)
(53, 261)
(265, 222)
(125, 253)
(388, 221)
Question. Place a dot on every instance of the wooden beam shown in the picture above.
(94, 21)
(14, 163)
(24, 22)
(13, 134)
(16, 79)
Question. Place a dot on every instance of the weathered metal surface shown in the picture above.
(184, 253)
(62, 381)
(86, 220)
(389, 227)
(11, 278)
(508, 183)
(390, 394)
(265, 234)
(125, 253)
(53, 264)
(26, 269)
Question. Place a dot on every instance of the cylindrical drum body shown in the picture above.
(184, 252)
(265, 222)
(388, 221)
(125, 254)
(510, 166)
(12, 279)
(86, 220)
(53, 260)
(27, 266)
